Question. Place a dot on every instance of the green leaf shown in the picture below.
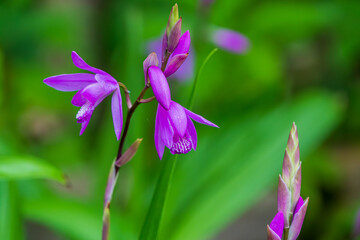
(75, 220)
(155, 213)
(10, 221)
(28, 167)
(239, 165)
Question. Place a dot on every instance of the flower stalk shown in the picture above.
(291, 205)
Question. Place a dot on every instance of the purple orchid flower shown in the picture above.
(92, 89)
(276, 228)
(229, 40)
(175, 130)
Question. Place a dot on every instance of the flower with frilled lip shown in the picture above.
(175, 130)
(92, 89)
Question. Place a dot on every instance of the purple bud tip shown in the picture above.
(277, 224)
(299, 205)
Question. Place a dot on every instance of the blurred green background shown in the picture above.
(303, 65)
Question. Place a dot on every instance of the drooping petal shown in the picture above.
(298, 220)
(284, 200)
(95, 93)
(183, 45)
(178, 118)
(80, 63)
(199, 118)
(230, 40)
(117, 114)
(159, 144)
(70, 82)
(174, 64)
(165, 128)
(160, 86)
(276, 227)
(192, 132)
(151, 60)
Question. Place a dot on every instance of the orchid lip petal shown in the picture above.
(117, 113)
(160, 86)
(174, 64)
(70, 82)
(199, 118)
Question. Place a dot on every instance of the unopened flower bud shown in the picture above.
(173, 18)
(129, 153)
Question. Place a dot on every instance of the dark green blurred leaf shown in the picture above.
(28, 167)
(239, 165)
(75, 220)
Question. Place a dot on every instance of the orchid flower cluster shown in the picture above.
(174, 127)
(288, 221)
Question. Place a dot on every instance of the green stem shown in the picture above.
(192, 94)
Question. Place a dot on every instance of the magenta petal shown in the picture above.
(159, 144)
(199, 118)
(80, 63)
(183, 45)
(78, 100)
(192, 132)
(271, 234)
(297, 221)
(299, 205)
(106, 80)
(160, 86)
(165, 128)
(277, 224)
(174, 64)
(284, 200)
(70, 82)
(84, 125)
(178, 118)
(95, 93)
(151, 60)
(117, 113)
(230, 40)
